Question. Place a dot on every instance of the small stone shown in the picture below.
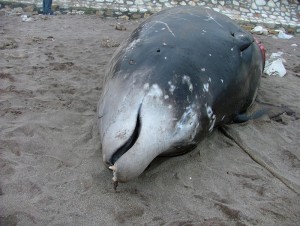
(270, 25)
(191, 3)
(139, 2)
(55, 7)
(17, 11)
(120, 27)
(132, 10)
(235, 3)
(283, 9)
(260, 2)
(136, 16)
(253, 6)
(29, 8)
(108, 13)
(109, 43)
(124, 17)
(271, 4)
(244, 10)
(143, 10)
(123, 9)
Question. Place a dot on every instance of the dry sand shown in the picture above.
(51, 70)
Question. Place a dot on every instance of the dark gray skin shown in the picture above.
(181, 73)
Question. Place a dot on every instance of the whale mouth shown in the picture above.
(130, 142)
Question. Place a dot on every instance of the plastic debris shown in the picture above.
(283, 35)
(274, 66)
(259, 30)
(25, 18)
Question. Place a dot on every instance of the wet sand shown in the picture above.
(51, 169)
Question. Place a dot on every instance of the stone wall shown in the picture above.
(272, 13)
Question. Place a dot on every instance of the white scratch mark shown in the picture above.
(211, 18)
(212, 123)
(205, 87)
(209, 79)
(203, 69)
(172, 87)
(166, 58)
(222, 80)
(167, 26)
(186, 79)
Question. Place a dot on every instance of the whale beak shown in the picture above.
(129, 158)
(153, 132)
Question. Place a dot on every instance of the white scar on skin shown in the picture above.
(205, 87)
(186, 79)
(155, 91)
(211, 18)
(146, 86)
(172, 87)
(167, 26)
(211, 116)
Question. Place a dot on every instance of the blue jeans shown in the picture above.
(47, 7)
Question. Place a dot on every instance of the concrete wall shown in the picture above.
(270, 12)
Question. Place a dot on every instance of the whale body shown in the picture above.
(181, 73)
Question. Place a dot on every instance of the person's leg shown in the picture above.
(48, 4)
(44, 7)
(50, 8)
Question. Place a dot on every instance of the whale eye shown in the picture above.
(158, 50)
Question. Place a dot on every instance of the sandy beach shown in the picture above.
(51, 168)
